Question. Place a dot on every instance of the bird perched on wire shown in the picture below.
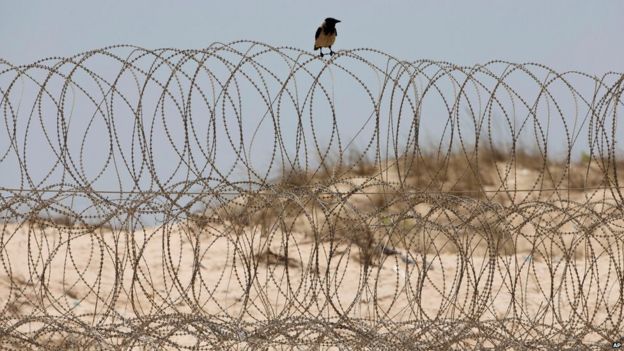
(326, 35)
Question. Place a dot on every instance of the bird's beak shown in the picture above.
(337, 21)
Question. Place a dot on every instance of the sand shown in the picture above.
(556, 276)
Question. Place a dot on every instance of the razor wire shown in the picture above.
(250, 196)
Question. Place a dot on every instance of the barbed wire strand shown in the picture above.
(245, 196)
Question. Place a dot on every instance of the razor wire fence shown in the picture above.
(247, 196)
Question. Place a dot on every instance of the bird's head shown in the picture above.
(331, 21)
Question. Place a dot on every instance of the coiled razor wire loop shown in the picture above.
(258, 197)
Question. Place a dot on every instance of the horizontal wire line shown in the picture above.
(151, 192)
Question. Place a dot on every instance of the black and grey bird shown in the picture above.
(326, 35)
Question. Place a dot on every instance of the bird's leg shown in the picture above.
(331, 52)
(321, 52)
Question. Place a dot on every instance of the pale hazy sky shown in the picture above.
(566, 35)
(580, 35)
